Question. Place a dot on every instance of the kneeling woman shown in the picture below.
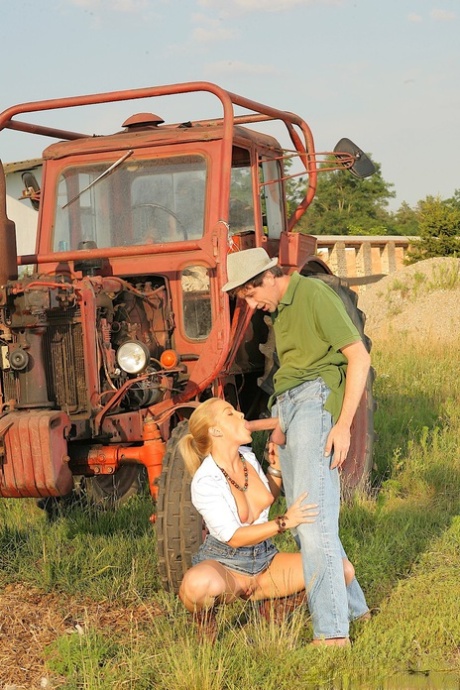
(233, 495)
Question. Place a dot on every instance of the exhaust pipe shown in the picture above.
(9, 253)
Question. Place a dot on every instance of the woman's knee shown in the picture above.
(348, 571)
(200, 582)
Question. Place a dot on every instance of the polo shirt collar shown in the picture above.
(292, 287)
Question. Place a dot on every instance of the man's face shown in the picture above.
(265, 297)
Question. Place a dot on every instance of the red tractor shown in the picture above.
(116, 328)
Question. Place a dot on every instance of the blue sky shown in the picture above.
(385, 73)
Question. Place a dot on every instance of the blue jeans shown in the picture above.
(305, 468)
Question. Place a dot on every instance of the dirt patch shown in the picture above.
(421, 301)
(31, 620)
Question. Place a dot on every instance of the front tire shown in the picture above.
(179, 526)
(112, 490)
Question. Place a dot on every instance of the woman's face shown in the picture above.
(231, 423)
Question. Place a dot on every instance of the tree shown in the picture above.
(439, 229)
(405, 221)
(345, 204)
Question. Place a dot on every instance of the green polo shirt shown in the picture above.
(311, 326)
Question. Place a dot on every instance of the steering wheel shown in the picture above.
(180, 227)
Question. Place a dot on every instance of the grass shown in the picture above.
(403, 539)
(85, 551)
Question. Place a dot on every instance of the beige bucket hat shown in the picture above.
(246, 264)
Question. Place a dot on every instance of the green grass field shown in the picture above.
(403, 539)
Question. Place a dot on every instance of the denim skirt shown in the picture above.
(249, 560)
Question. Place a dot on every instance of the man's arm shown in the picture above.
(359, 362)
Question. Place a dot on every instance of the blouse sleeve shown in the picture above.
(213, 505)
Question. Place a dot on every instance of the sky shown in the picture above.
(385, 73)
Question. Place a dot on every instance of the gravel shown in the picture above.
(420, 301)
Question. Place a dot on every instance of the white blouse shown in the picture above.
(213, 499)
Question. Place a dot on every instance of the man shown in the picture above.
(318, 387)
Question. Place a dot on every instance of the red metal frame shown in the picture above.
(260, 113)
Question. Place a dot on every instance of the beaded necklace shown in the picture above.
(232, 481)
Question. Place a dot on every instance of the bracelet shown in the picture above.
(274, 472)
(281, 522)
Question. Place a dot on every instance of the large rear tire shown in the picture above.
(179, 526)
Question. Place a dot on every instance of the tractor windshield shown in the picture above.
(127, 201)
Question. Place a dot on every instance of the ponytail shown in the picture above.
(187, 449)
(196, 445)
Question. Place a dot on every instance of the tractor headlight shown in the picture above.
(133, 356)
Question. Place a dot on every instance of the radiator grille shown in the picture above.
(10, 390)
(65, 367)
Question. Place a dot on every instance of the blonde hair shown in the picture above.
(196, 445)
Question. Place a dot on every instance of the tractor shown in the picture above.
(116, 328)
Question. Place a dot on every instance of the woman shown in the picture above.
(231, 492)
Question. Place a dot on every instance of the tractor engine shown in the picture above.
(80, 360)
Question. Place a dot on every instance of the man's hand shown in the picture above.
(338, 442)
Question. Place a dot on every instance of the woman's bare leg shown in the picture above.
(348, 571)
(210, 583)
(283, 577)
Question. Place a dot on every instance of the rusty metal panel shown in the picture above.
(35, 460)
(295, 248)
(66, 373)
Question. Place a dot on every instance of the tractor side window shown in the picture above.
(241, 211)
(196, 297)
(272, 198)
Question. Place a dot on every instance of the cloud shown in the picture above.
(210, 30)
(416, 18)
(442, 15)
(232, 6)
(235, 67)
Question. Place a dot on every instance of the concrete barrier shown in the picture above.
(363, 259)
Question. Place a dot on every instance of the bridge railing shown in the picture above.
(363, 259)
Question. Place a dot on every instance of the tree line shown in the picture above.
(346, 205)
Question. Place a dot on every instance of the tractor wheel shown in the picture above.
(179, 526)
(356, 470)
(105, 491)
(357, 467)
(111, 490)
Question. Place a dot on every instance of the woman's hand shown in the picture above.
(272, 455)
(300, 513)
